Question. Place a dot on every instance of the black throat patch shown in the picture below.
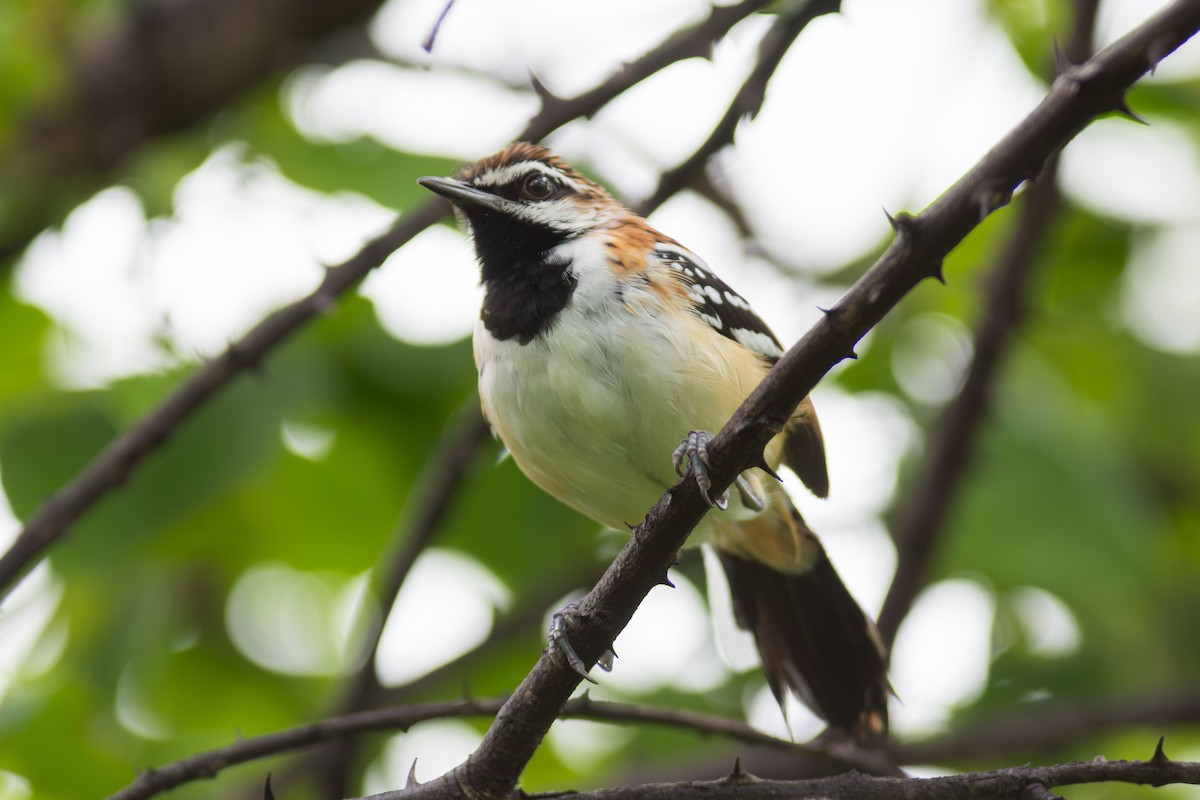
(524, 285)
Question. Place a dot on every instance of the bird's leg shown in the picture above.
(557, 642)
(695, 449)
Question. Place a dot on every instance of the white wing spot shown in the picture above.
(736, 299)
(757, 341)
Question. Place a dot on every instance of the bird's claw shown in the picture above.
(557, 642)
(695, 450)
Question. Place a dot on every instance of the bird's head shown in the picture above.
(521, 202)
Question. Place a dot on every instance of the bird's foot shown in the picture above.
(695, 449)
(557, 642)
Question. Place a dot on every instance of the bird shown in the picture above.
(607, 353)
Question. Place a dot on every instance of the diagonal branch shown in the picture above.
(749, 98)
(921, 521)
(117, 462)
(1076, 97)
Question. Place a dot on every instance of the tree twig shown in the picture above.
(400, 718)
(1042, 726)
(1017, 783)
(430, 500)
(749, 98)
(1077, 96)
(921, 521)
(117, 462)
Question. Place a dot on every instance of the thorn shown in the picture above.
(1038, 791)
(1122, 108)
(989, 199)
(411, 780)
(1061, 62)
(665, 580)
(938, 273)
(1159, 759)
(545, 95)
(902, 223)
(267, 793)
(762, 464)
(851, 356)
(738, 775)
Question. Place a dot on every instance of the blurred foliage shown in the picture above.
(1086, 484)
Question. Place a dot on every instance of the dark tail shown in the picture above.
(815, 640)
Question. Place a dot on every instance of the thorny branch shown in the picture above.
(1017, 783)
(117, 462)
(921, 521)
(749, 98)
(1076, 97)
(400, 718)
(1031, 729)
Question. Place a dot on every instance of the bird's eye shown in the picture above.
(537, 186)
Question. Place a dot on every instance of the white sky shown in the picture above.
(880, 107)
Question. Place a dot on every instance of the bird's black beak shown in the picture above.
(463, 194)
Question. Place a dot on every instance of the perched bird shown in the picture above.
(601, 345)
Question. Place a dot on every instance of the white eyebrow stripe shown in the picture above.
(511, 172)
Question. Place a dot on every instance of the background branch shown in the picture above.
(117, 462)
(1076, 97)
(1045, 725)
(921, 522)
(165, 68)
(1018, 783)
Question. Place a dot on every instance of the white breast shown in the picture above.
(593, 409)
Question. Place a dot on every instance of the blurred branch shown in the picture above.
(400, 718)
(1024, 732)
(749, 98)
(526, 622)
(1076, 97)
(1042, 726)
(922, 519)
(167, 66)
(116, 463)
(431, 498)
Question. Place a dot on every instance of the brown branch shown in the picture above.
(116, 463)
(1018, 783)
(400, 718)
(1043, 726)
(922, 519)
(1076, 97)
(431, 498)
(166, 67)
(749, 98)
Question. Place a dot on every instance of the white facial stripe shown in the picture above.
(561, 215)
(511, 172)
